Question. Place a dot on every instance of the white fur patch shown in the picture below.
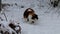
(29, 17)
(29, 10)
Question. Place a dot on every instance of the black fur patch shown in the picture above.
(35, 16)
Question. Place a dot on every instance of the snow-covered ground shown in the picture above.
(49, 17)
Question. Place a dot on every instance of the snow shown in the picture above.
(49, 17)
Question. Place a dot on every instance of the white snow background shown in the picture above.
(49, 17)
